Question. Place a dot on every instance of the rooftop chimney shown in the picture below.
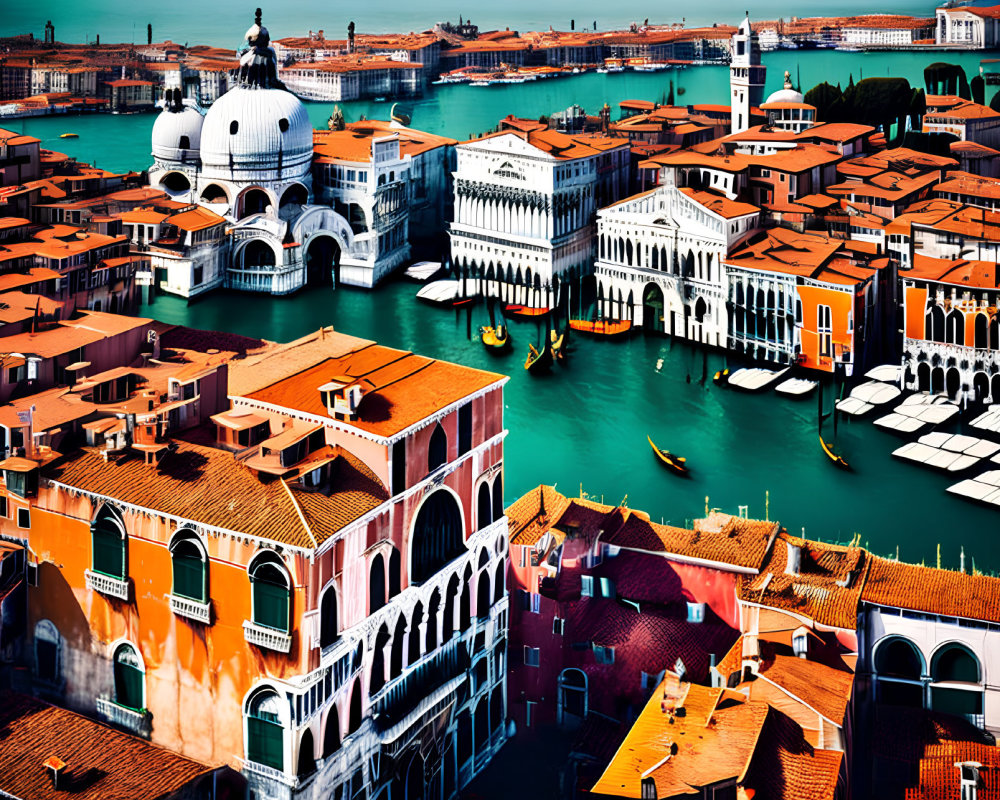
(54, 766)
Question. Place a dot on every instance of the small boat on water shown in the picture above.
(838, 460)
(721, 378)
(423, 270)
(526, 311)
(558, 341)
(69, 136)
(605, 328)
(538, 361)
(754, 379)
(495, 338)
(439, 292)
(796, 387)
(675, 463)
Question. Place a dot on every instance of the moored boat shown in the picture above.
(538, 361)
(721, 378)
(604, 328)
(674, 463)
(495, 338)
(558, 341)
(525, 311)
(69, 136)
(837, 459)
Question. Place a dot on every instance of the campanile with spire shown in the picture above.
(746, 76)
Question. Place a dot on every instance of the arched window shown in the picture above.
(465, 602)
(184, 143)
(354, 721)
(396, 651)
(307, 756)
(572, 694)
(955, 329)
(956, 686)
(190, 567)
(376, 584)
(328, 627)
(498, 510)
(377, 678)
(234, 127)
(437, 537)
(265, 735)
(413, 643)
(496, 707)
(483, 595)
(484, 514)
(47, 641)
(437, 450)
(108, 535)
(499, 582)
(433, 607)
(395, 578)
(899, 671)
(271, 592)
(982, 327)
(130, 678)
(331, 733)
(448, 617)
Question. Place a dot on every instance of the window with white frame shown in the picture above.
(558, 626)
(824, 326)
(532, 656)
(695, 613)
(587, 586)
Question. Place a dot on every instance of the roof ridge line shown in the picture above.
(298, 510)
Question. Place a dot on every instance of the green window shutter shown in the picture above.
(128, 686)
(264, 744)
(109, 554)
(270, 605)
(189, 577)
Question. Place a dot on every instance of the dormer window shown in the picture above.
(970, 779)
(695, 613)
(343, 395)
(800, 642)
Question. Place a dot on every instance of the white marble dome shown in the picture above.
(786, 95)
(169, 132)
(256, 134)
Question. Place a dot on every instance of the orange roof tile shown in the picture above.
(934, 591)
(196, 219)
(102, 763)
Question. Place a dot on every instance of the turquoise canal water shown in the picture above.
(122, 142)
(587, 424)
(224, 22)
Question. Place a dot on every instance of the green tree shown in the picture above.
(944, 78)
(823, 96)
(978, 88)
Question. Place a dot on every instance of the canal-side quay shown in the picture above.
(587, 424)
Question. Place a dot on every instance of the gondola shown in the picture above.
(558, 341)
(538, 362)
(526, 311)
(721, 377)
(602, 328)
(69, 136)
(668, 459)
(495, 338)
(838, 460)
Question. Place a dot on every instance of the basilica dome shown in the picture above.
(177, 133)
(257, 131)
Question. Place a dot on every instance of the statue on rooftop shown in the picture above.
(336, 121)
(258, 61)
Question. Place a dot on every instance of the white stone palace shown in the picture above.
(250, 159)
(525, 206)
(660, 260)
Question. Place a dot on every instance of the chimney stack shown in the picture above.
(55, 767)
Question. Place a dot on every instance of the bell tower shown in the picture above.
(746, 76)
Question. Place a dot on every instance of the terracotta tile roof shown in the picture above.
(823, 688)
(196, 219)
(210, 486)
(958, 272)
(785, 767)
(940, 776)
(723, 206)
(720, 538)
(408, 387)
(102, 763)
(934, 591)
(964, 183)
(711, 741)
(826, 589)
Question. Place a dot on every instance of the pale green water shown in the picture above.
(224, 22)
(122, 142)
(588, 423)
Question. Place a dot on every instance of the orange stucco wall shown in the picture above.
(915, 305)
(841, 305)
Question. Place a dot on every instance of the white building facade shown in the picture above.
(524, 213)
(974, 28)
(660, 261)
(746, 76)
